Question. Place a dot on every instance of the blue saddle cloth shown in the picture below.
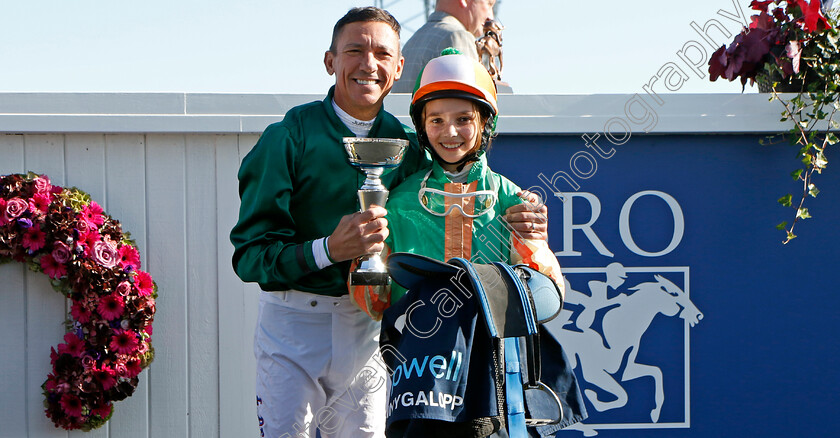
(443, 347)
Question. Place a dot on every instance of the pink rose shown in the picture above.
(61, 252)
(124, 288)
(14, 208)
(88, 362)
(83, 227)
(121, 369)
(105, 254)
(42, 184)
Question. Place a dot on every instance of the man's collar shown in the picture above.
(327, 103)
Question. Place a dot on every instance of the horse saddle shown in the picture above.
(506, 306)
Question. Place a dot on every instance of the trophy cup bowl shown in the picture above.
(372, 156)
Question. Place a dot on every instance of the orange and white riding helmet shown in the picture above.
(455, 75)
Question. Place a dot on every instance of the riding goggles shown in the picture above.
(441, 203)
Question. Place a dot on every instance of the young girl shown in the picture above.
(456, 208)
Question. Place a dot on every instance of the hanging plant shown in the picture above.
(793, 47)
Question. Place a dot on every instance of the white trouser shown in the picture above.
(318, 367)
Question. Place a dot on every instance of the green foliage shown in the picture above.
(813, 111)
(802, 213)
(786, 200)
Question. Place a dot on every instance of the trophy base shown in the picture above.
(369, 278)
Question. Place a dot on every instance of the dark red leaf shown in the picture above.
(717, 63)
(813, 18)
(761, 5)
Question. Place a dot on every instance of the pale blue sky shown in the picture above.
(277, 46)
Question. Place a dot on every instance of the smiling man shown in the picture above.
(366, 60)
(299, 227)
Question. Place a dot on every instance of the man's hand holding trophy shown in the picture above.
(372, 156)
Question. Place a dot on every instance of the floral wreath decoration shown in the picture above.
(90, 260)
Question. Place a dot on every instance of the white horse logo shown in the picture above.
(625, 319)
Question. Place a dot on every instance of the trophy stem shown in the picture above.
(372, 197)
(373, 156)
(372, 181)
(371, 270)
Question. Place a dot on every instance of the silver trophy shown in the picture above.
(372, 156)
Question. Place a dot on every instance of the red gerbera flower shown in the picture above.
(129, 257)
(103, 410)
(52, 268)
(34, 239)
(133, 368)
(72, 405)
(88, 239)
(92, 214)
(124, 342)
(79, 313)
(144, 284)
(104, 377)
(74, 346)
(50, 384)
(111, 306)
(40, 203)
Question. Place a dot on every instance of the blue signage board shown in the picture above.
(685, 315)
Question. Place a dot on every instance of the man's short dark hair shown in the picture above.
(365, 14)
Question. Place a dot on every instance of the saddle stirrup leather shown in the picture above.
(511, 314)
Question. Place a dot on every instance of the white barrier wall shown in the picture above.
(165, 165)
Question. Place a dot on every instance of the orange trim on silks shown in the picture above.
(458, 228)
(537, 255)
(526, 253)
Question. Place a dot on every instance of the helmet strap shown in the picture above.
(470, 157)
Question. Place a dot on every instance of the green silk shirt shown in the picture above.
(295, 185)
(483, 239)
